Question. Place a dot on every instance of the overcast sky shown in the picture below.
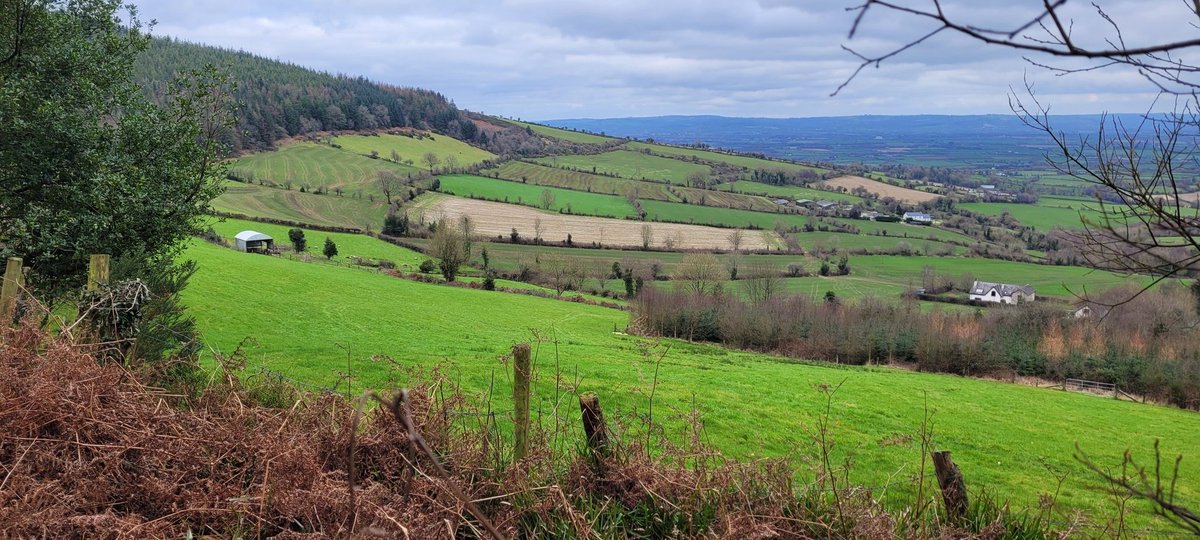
(545, 59)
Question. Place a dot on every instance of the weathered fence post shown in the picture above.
(14, 280)
(594, 428)
(950, 479)
(97, 272)
(521, 374)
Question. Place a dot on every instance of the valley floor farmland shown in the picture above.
(751, 405)
(499, 219)
(881, 189)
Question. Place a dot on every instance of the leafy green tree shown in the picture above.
(88, 164)
(299, 243)
(330, 250)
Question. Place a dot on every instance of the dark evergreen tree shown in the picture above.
(297, 238)
(330, 250)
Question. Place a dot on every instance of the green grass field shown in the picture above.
(563, 134)
(316, 165)
(1048, 213)
(291, 205)
(793, 192)
(728, 217)
(412, 148)
(630, 164)
(1055, 281)
(573, 202)
(725, 199)
(359, 245)
(721, 157)
(731, 217)
(549, 176)
(751, 405)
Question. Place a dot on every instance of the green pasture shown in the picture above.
(1048, 213)
(572, 202)
(542, 175)
(722, 157)
(312, 164)
(726, 217)
(563, 134)
(358, 245)
(725, 199)
(732, 217)
(630, 164)
(1006, 438)
(413, 148)
(507, 257)
(792, 192)
(326, 209)
(1063, 282)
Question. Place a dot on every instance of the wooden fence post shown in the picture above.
(521, 374)
(950, 479)
(14, 280)
(593, 427)
(97, 272)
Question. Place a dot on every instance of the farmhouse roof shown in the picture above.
(825, 203)
(1003, 289)
(922, 216)
(251, 236)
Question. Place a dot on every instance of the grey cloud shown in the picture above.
(544, 59)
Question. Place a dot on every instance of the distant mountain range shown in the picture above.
(981, 141)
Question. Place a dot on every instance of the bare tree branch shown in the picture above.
(1153, 61)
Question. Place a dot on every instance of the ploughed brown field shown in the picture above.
(881, 189)
(492, 218)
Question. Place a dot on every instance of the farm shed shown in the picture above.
(254, 241)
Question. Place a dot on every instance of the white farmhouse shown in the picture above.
(918, 217)
(1001, 293)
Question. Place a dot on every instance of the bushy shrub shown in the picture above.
(796, 270)
(428, 266)
(1148, 346)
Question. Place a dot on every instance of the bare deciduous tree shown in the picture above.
(430, 160)
(388, 183)
(699, 273)
(647, 235)
(761, 282)
(448, 247)
(1147, 221)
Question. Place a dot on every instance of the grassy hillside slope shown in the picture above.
(413, 148)
(312, 164)
(630, 164)
(751, 405)
(327, 209)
